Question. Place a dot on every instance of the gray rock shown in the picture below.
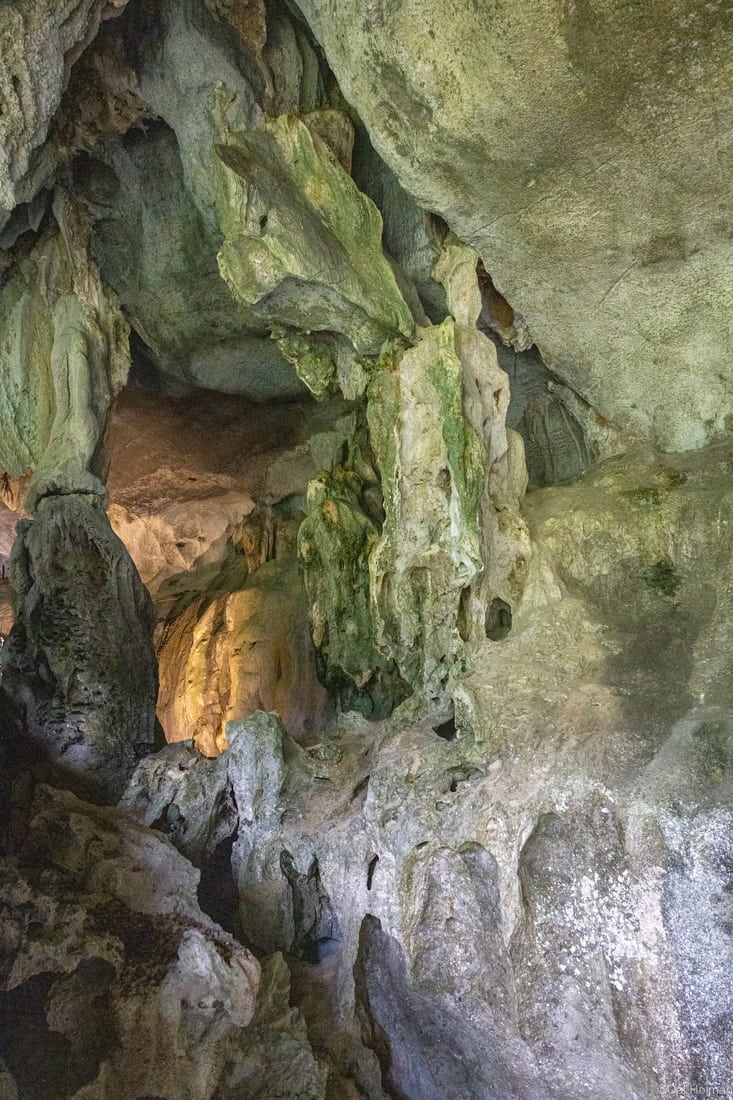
(79, 661)
(427, 1050)
(583, 154)
(153, 246)
(113, 980)
(39, 43)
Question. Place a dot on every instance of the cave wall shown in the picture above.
(295, 303)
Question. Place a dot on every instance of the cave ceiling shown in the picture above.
(583, 150)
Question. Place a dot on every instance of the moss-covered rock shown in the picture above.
(302, 245)
(63, 356)
(335, 542)
(430, 462)
(582, 150)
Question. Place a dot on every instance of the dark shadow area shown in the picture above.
(53, 1063)
(217, 890)
(498, 621)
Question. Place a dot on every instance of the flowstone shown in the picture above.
(431, 465)
(302, 245)
(523, 901)
(63, 357)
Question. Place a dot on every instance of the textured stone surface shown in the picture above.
(308, 251)
(335, 542)
(582, 151)
(113, 979)
(63, 357)
(538, 878)
(431, 462)
(401, 582)
(518, 884)
(79, 661)
(153, 246)
(208, 498)
(413, 1032)
(411, 235)
(229, 655)
(39, 42)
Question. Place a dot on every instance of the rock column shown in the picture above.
(79, 663)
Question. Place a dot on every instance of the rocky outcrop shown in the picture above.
(213, 536)
(517, 893)
(489, 853)
(228, 655)
(112, 977)
(409, 540)
(79, 660)
(154, 247)
(560, 144)
(63, 357)
(308, 255)
(39, 43)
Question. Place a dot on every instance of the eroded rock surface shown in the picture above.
(537, 877)
(502, 868)
(210, 515)
(79, 661)
(64, 356)
(39, 43)
(113, 979)
(581, 151)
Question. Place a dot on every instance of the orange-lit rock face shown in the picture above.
(8, 520)
(244, 651)
(199, 486)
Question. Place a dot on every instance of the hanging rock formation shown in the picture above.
(79, 661)
(575, 146)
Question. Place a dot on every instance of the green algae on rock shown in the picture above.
(63, 357)
(302, 245)
(334, 545)
(432, 477)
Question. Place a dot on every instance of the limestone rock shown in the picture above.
(213, 536)
(537, 877)
(431, 463)
(452, 479)
(111, 971)
(39, 43)
(191, 476)
(200, 802)
(153, 246)
(401, 584)
(335, 543)
(412, 237)
(79, 660)
(582, 153)
(308, 252)
(229, 655)
(63, 356)
(425, 1047)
